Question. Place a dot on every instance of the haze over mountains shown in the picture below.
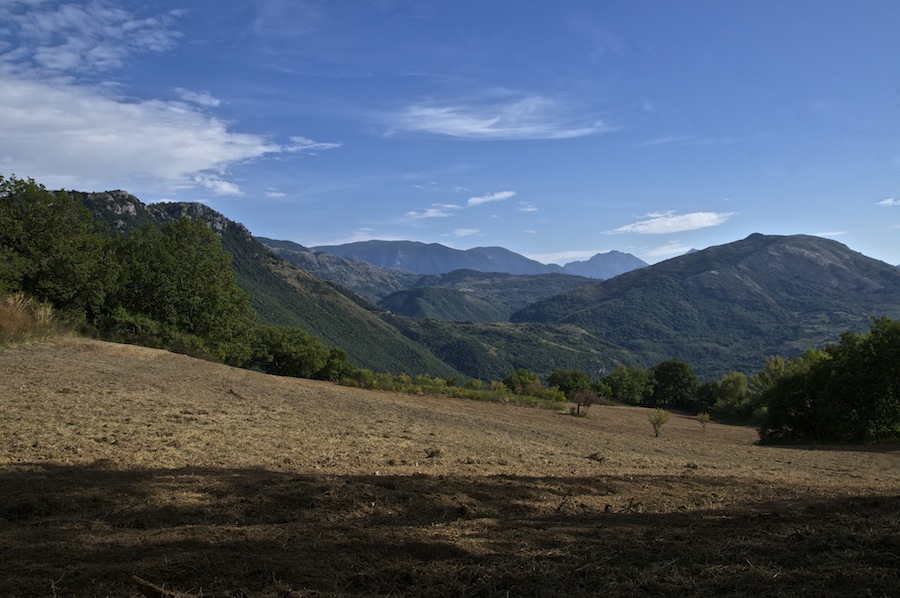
(720, 309)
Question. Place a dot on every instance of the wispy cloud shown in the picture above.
(465, 232)
(302, 144)
(660, 223)
(436, 211)
(519, 117)
(889, 202)
(217, 185)
(667, 250)
(668, 140)
(81, 37)
(527, 208)
(564, 257)
(498, 196)
(201, 98)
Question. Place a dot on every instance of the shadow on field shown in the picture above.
(85, 530)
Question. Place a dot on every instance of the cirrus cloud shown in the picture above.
(661, 223)
(498, 196)
(517, 118)
(889, 202)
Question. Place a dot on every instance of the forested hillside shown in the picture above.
(726, 307)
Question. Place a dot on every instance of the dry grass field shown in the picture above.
(204, 480)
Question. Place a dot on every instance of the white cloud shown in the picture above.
(498, 196)
(465, 232)
(429, 213)
(200, 98)
(82, 38)
(57, 127)
(519, 117)
(889, 202)
(528, 208)
(302, 144)
(668, 140)
(667, 250)
(564, 257)
(217, 185)
(64, 134)
(661, 223)
(275, 193)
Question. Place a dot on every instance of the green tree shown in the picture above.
(674, 384)
(847, 392)
(289, 351)
(570, 382)
(51, 249)
(628, 385)
(774, 368)
(658, 418)
(179, 276)
(731, 397)
(524, 382)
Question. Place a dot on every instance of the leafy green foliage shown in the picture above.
(628, 385)
(570, 382)
(658, 418)
(674, 384)
(729, 398)
(178, 275)
(287, 351)
(49, 249)
(849, 392)
(524, 382)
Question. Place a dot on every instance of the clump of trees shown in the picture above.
(845, 392)
(169, 286)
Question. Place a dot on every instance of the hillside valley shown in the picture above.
(720, 309)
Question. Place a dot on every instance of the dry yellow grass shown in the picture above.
(118, 461)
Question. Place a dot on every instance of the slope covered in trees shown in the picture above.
(725, 307)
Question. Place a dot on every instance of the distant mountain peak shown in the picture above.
(606, 265)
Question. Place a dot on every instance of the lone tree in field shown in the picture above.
(658, 418)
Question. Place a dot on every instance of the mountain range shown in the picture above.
(720, 309)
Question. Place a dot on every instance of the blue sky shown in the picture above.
(555, 129)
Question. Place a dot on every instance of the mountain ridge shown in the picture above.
(721, 306)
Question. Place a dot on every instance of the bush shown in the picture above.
(658, 418)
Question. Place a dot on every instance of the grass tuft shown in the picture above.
(23, 319)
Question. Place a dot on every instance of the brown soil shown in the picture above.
(119, 461)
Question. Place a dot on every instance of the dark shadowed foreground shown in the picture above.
(203, 480)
